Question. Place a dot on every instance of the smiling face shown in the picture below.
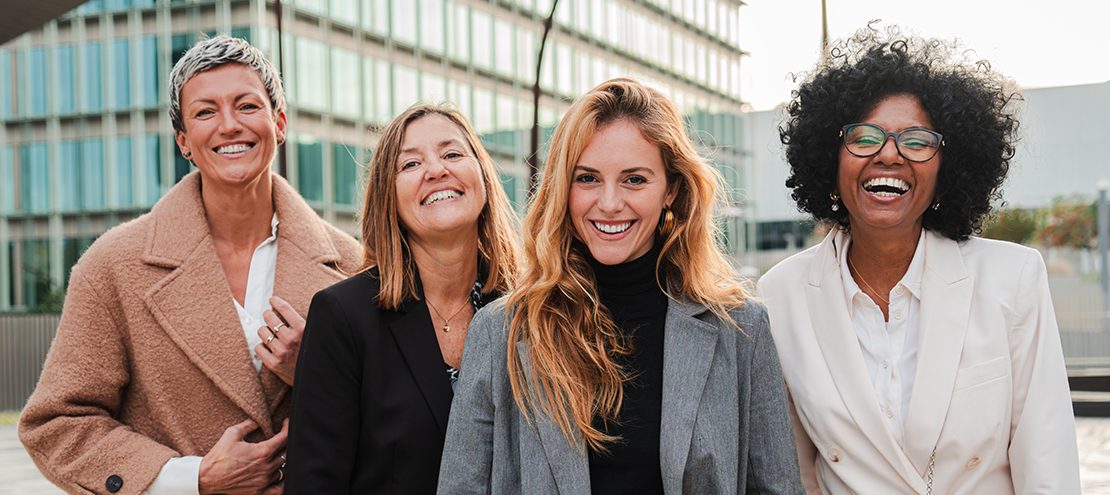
(618, 191)
(230, 128)
(439, 180)
(886, 192)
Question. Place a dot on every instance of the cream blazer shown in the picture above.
(990, 393)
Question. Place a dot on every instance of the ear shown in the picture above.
(179, 138)
(280, 124)
(672, 192)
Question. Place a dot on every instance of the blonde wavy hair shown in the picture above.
(572, 339)
(385, 240)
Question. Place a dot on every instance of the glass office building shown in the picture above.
(86, 142)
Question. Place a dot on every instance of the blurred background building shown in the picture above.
(86, 143)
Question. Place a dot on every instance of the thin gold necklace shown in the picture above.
(446, 321)
(865, 284)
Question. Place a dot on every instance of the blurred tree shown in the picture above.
(1070, 223)
(1011, 224)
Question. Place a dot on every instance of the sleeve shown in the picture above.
(179, 476)
(1043, 453)
(467, 464)
(69, 425)
(326, 417)
(772, 460)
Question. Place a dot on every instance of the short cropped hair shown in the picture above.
(970, 104)
(211, 53)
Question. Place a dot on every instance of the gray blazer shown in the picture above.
(724, 427)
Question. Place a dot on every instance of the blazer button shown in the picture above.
(113, 483)
(834, 454)
(973, 462)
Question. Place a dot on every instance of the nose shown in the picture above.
(435, 170)
(229, 123)
(889, 154)
(611, 199)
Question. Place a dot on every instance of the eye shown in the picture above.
(452, 155)
(204, 113)
(249, 106)
(409, 164)
(636, 180)
(585, 178)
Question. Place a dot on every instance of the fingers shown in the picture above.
(276, 489)
(287, 313)
(239, 431)
(276, 443)
(276, 342)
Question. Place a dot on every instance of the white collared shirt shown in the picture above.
(889, 347)
(181, 475)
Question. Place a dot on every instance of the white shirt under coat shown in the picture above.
(889, 347)
(181, 475)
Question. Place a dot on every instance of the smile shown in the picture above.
(611, 228)
(886, 186)
(440, 196)
(232, 149)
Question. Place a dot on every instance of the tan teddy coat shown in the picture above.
(150, 361)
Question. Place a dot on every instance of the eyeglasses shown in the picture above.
(916, 144)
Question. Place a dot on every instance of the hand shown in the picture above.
(279, 354)
(236, 466)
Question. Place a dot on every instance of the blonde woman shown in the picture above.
(628, 359)
(382, 349)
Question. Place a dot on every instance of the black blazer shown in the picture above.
(371, 397)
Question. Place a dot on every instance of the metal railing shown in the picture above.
(24, 341)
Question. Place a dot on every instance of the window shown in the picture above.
(382, 92)
(121, 83)
(433, 88)
(310, 168)
(504, 41)
(32, 93)
(153, 187)
(5, 88)
(124, 173)
(346, 91)
(148, 71)
(67, 91)
(482, 29)
(72, 248)
(311, 74)
(431, 25)
(526, 45)
(34, 173)
(404, 22)
(181, 166)
(483, 111)
(179, 44)
(344, 173)
(405, 87)
(369, 87)
(460, 33)
(242, 32)
(375, 16)
(565, 75)
(92, 174)
(69, 166)
(315, 6)
(7, 180)
(345, 11)
(36, 273)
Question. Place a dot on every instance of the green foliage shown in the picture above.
(1070, 223)
(1012, 224)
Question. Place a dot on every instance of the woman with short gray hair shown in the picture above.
(174, 358)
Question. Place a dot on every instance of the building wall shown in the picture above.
(86, 143)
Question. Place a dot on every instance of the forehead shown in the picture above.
(897, 112)
(227, 80)
(621, 145)
(431, 130)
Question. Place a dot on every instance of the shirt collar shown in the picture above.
(911, 280)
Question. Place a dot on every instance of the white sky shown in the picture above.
(1036, 42)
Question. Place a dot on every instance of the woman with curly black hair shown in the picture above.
(919, 359)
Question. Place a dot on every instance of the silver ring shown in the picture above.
(277, 327)
(281, 475)
(271, 339)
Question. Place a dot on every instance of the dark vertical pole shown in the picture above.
(533, 158)
(824, 32)
(1103, 248)
(281, 72)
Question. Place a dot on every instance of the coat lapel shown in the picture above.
(568, 462)
(207, 329)
(945, 310)
(688, 347)
(840, 347)
(412, 329)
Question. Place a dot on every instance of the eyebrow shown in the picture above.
(212, 101)
(625, 171)
(440, 145)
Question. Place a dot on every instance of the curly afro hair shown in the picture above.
(971, 105)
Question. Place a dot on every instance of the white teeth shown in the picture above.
(900, 185)
(233, 148)
(612, 228)
(440, 196)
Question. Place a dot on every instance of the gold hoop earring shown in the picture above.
(666, 225)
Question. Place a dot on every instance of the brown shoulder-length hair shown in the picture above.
(572, 339)
(385, 240)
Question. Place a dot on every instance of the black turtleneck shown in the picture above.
(638, 306)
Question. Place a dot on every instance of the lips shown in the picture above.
(886, 186)
(441, 196)
(612, 228)
(233, 148)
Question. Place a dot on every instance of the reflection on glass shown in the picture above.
(151, 151)
(5, 89)
(460, 33)
(310, 168)
(344, 173)
(345, 11)
(34, 186)
(36, 272)
(148, 71)
(432, 27)
(405, 87)
(69, 166)
(7, 180)
(503, 41)
(66, 100)
(481, 46)
(345, 87)
(403, 15)
(33, 82)
(92, 174)
(433, 88)
(124, 167)
(121, 84)
(384, 88)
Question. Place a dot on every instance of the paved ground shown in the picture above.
(19, 476)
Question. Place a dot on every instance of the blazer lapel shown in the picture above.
(568, 463)
(688, 347)
(412, 329)
(206, 329)
(945, 310)
(840, 347)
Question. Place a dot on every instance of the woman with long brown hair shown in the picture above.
(381, 350)
(628, 359)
